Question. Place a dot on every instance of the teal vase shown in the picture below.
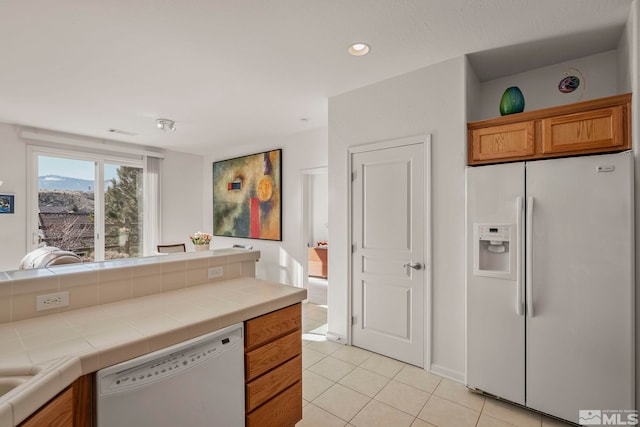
(512, 101)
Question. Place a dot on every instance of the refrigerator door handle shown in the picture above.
(519, 256)
(529, 261)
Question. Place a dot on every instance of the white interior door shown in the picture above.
(388, 256)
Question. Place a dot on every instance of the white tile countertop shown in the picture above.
(59, 348)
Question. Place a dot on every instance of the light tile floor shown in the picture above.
(347, 386)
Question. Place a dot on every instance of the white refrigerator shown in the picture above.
(550, 283)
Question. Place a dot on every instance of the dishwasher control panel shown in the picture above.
(155, 367)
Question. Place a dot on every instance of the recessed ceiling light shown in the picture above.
(359, 49)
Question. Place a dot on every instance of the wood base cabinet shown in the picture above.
(597, 126)
(273, 368)
(72, 407)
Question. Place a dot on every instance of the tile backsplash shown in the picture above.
(98, 283)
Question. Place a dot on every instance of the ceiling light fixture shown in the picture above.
(359, 49)
(166, 124)
(122, 132)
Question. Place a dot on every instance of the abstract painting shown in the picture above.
(7, 203)
(247, 196)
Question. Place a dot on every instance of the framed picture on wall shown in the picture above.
(247, 196)
(7, 203)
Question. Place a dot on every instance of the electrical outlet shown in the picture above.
(214, 272)
(51, 301)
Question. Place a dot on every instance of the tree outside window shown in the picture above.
(123, 214)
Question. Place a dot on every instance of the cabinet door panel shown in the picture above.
(57, 413)
(596, 129)
(503, 142)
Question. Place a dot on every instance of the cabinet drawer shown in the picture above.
(284, 410)
(597, 129)
(271, 326)
(503, 142)
(272, 383)
(267, 357)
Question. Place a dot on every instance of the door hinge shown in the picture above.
(353, 248)
(354, 320)
(353, 176)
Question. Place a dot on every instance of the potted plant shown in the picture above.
(201, 240)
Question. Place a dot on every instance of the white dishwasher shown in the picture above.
(196, 383)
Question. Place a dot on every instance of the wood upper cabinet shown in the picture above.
(597, 129)
(597, 126)
(504, 142)
(273, 368)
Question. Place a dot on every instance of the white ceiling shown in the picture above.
(234, 71)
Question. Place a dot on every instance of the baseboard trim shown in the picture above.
(447, 373)
(336, 338)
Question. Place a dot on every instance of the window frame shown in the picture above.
(99, 159)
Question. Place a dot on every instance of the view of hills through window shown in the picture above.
(68, 212)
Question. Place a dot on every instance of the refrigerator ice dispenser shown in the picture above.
(494, 250)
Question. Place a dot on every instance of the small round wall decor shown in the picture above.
(568, 84)
(571, 82)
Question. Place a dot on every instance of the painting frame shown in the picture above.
(247, 196)
(7, 204)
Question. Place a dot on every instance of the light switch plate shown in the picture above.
(215, 272)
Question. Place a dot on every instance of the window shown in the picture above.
(90, 204)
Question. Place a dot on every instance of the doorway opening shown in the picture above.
(315, 239)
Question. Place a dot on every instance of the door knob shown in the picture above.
(416, 266)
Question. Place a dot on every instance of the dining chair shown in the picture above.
(170, 249)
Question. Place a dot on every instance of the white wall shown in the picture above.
(280, 261)
(14, 176)
(473, 93)
(624, 77)
(181, 202)
(540, 86)
(429, 100)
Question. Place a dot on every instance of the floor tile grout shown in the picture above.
(449, 393)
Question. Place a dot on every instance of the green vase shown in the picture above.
(512, 101)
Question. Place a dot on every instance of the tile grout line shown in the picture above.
(370, 399)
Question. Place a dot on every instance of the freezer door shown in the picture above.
(580, 342)
(494, 328)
